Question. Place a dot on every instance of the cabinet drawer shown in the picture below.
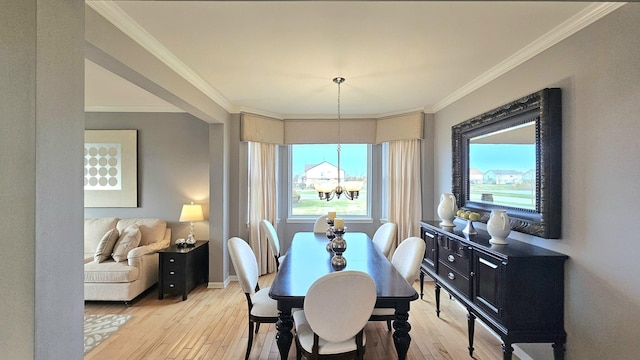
(173, 286)
(171, 261)
(456, 255)
(172, 273)
(454, 278)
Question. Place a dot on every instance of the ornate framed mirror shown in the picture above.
(510, 158)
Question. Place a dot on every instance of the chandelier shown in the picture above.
(327, 190)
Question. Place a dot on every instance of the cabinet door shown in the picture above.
(430, 248)
(488, 279)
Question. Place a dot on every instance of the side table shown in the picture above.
(183, 268)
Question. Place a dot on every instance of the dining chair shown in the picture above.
(384, 237)
(406, 260)
(336, 309)
(321, 225)
(274, 243)
(262, 308)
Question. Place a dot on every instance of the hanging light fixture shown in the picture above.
(351, 189)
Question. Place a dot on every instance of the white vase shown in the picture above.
(498, 227)
(447, 209)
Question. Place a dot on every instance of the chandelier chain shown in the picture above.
(339, 119)
(339, 80)
(352, 190)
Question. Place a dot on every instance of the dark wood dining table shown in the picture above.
(307, 260)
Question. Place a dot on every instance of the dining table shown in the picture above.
(308, 260)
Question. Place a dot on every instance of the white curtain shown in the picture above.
(262, 201)
(405, 194)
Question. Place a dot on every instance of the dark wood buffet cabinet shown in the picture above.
(516, 289)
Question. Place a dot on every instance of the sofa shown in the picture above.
(120, 257)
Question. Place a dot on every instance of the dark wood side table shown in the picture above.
(183, 268)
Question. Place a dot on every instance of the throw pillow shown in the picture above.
(105, 246)
(129, 239)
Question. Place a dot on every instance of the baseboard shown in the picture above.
(221, 285)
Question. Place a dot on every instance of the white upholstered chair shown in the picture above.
(274, 243)
(406, 259)
(262, 308)
(384, 237)
(321, 225)
(336, 309)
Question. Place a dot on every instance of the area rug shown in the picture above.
(97, 328)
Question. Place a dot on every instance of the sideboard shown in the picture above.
(517, 289)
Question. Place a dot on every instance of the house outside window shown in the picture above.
(318, 163)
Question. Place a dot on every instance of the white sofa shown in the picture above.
(123, 280)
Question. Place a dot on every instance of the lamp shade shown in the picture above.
(353, 185)
(191, 212)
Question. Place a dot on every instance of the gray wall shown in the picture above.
(173, 167)
(181, 159)
(41, 111)
(598, 70)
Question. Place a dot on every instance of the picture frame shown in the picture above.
(544, 108)
(110, 168)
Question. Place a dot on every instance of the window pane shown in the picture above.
(311, 164)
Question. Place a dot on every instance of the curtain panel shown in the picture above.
(262, 201)
(405, 194)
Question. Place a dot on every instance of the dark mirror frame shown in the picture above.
(543, 107)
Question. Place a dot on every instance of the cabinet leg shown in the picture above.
(437, 287)
(507, 351)
(421, 285)
(471, 323)
(559, 349)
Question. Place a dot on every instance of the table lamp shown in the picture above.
(191, 212)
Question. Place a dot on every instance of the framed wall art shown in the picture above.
(110, 168)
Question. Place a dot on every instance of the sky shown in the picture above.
(520, 157)
(353, 157)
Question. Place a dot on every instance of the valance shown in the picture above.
(261, 129)
(400, 127)
(325, 131)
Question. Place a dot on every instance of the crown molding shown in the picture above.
(569, 27)
(327, 116)
(133, 108)
(121, 20)
(426, 110)
(245, 109)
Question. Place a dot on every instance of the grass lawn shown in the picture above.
(310, 204)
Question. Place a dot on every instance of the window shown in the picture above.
(310, 164)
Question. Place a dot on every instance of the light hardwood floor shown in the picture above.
(212, 324)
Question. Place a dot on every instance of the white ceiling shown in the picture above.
(279, 58)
